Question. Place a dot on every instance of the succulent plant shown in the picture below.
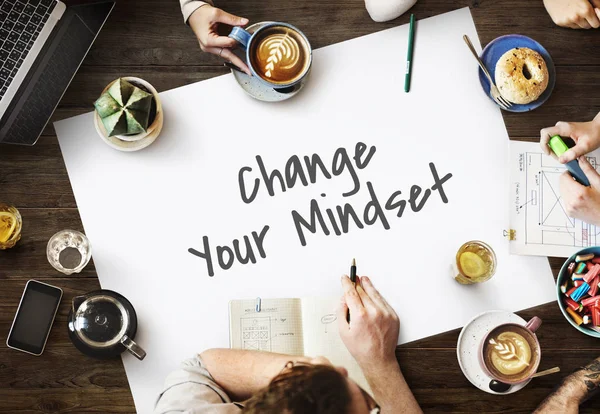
(124, 108)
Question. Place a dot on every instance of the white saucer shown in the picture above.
(256, 88)
(467, 348)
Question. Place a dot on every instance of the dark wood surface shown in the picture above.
(148, 39)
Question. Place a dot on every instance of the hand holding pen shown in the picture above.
(372, 334)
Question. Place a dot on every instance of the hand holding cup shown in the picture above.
(205, 22)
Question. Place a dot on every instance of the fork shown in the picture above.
(496, 95)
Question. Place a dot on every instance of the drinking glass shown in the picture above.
(475, 263)
(69, 251)
(10, 226)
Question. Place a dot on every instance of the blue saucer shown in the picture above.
(496, 48)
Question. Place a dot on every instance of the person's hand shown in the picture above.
(575, 14)
(372, 334)
(205, 21)
(582, 202)
(585, 134)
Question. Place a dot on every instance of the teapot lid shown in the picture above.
(101, 321)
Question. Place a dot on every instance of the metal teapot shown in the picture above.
(102, 324)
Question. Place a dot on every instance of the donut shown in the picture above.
(521, 75)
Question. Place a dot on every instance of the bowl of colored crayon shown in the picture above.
(578, 291)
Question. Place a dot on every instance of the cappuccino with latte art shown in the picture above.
(511, 353)
(279, 55)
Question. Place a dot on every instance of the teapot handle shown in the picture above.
(77, 301)
(132, 347)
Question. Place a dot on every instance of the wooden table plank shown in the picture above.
(38, 226)
(154, 34)
(67, 400)
(439, 386)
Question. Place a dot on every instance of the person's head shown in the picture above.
(316, 388)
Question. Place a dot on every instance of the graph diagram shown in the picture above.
(256, 333)
(547, 221)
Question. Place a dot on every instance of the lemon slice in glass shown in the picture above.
(8, 222)
(472, 265)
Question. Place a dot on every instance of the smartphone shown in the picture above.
(35, 315)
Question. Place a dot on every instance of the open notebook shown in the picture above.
(306, 326)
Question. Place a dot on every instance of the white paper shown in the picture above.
(143, 211)
(537, 212)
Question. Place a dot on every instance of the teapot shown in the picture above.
(103, 324)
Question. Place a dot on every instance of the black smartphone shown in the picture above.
(35, 315)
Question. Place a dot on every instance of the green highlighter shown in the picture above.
(558, 146)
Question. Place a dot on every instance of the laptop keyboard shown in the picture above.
(20, 24)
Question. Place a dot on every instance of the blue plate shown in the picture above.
(496, 48)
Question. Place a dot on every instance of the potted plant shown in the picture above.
(128, 114)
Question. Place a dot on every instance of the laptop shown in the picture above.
(42, 44)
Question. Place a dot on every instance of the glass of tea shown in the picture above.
(69, 251)
(10, 226)
(475, 263)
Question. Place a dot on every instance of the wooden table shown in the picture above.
(148, 39)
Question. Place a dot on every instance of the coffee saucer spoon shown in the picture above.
(546, 372)
(499, 386)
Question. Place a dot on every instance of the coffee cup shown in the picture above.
(278, 54)
(510, 352)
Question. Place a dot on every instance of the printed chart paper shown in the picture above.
(537, 211)
(397, 180)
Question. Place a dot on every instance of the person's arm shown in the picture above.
(371, 337)
(574, 390)
(574, 14)
(242, 373)
(190, 6)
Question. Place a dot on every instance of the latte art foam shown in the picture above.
(510, 353)
(280, 55)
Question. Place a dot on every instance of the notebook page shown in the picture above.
(321, 336)
(276, 328)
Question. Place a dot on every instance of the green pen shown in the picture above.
(409, 55)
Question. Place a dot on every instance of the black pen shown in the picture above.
(232, 66)
(353, 280)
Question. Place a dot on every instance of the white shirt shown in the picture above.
(190, 6)
(192, 390)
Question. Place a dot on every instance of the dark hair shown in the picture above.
(314, 389)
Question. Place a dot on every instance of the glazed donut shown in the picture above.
(521, 75)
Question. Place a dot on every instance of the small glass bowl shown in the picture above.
(16, 233)
(69, 251)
